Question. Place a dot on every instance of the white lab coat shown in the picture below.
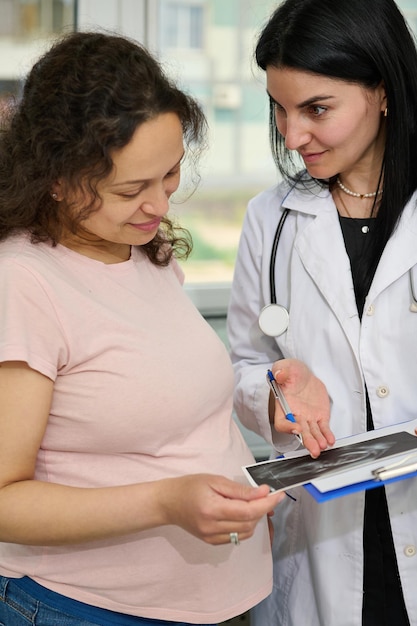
(318, 552)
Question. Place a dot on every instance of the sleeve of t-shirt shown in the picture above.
(30, 330)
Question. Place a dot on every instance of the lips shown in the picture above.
(311, 157)
(146, 227)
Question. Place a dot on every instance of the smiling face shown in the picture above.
(135, 196)
(335, 126)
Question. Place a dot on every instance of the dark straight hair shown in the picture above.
(364, 42)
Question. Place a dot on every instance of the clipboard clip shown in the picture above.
(400, 468)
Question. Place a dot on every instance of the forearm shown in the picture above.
(37, 513)
(208, 506)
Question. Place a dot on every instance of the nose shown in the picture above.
(156, 201)
(295, 132)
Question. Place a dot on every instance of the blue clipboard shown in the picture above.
(387, 456)
(324, 496)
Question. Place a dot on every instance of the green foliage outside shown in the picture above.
(214, 217)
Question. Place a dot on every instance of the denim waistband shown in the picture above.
(97, 615)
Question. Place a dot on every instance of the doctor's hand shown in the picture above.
(309, 402)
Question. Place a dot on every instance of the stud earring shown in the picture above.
(54, 196)
(386, 112)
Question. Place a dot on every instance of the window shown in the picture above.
(182, 26)
(31, 18)
(24, 27)
(221, 73)
(208, 46)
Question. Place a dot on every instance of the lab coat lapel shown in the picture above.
(321, 248)
(400, 253)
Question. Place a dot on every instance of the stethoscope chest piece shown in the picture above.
(273, 320)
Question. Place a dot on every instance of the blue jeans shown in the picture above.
(21, 607)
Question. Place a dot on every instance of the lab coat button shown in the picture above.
(410, 550)
(382, 391)
(370, 310)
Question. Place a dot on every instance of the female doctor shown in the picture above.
(336, 244)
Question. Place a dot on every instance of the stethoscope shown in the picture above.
(274, 318)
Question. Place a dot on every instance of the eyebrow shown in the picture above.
(144, 180)
(308, 102)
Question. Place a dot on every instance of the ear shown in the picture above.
(57, 191)
(382, 94)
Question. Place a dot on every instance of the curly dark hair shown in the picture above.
(81, 101)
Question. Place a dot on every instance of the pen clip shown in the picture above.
(399, 468)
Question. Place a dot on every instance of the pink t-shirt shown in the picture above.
(143, 391)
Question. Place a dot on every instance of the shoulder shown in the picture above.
(14, 246)
(266, 207)
(270, 197)
(17, 255)
(305, 196)
(35, 264)
(21, 249)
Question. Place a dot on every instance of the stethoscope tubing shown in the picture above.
(274, 319)
(277, 236)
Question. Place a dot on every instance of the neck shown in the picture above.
(106, 252)
(357, 194)
(351, 206)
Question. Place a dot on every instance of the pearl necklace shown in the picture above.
(354, 193)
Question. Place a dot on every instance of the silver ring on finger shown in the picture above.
(234, 538)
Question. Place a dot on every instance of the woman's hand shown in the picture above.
(211, 507)
(309, 402)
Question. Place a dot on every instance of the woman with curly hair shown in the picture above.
(120, 499)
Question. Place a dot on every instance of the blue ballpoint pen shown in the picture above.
(278, 394)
